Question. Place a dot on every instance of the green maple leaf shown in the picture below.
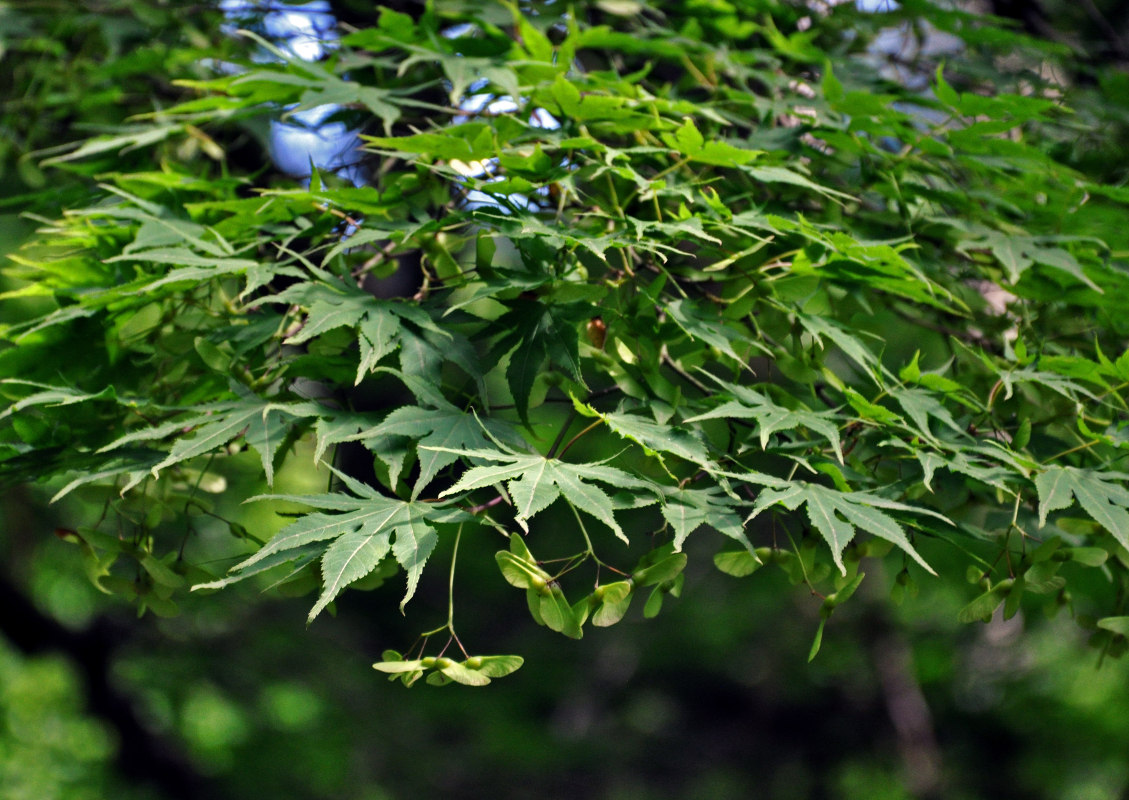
(366, 528)
(51, 396)
(321, 86)
(434, 422)
(1017, 253)
(655, 439)
(535, 482)
(467, 142)
(194, 267)
(920, 405)
(689, 509)
(770, 417)
(1054, 381)
(700, 325)
(379, 322)
(958, 462)
(537, 332)
(441, 427)
(130, 136)
(689, 141)
(132, 463)
(1101, 494)
(844, 338)
(263, 426)
(836, 515)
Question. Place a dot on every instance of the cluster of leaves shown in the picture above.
(606, 604)
(70, 75)
(713, 269)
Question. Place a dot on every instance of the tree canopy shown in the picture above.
(671, 271)
(589, 306)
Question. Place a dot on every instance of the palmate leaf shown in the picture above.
(958, 462)
(537, 332)
(467, 142)
(346, 427)
(836, 514)
(164, 229)
(541, 233)
(132, 464)
(317, 86)
(655, 439)
(770, 417)
(194, 267)
(920, 406)
(50, 396)
(700, 325)
(131, 137)
(689, 509)
(368, 528)
(262, 424)
(26, 329)
(298, 558)
(1054, 381)
(536, 482)
(441, 427)
(689, 141)
(845, 339)
(334, 427)
(1101, 494)
(379, 322)
(874, 265)
(1017, 253)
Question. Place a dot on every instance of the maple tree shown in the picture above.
(701, 271)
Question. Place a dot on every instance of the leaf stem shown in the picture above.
(591, 552)
(187, 519)
(561, 434)
(614, 197)
(451, 586)
(572, 441)
(800, 561)
(701, 387)
(658, 176)
(697, 74)
(478, 509)
(450, 624)
(1075, 449)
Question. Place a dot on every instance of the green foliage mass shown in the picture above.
(752, 280)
